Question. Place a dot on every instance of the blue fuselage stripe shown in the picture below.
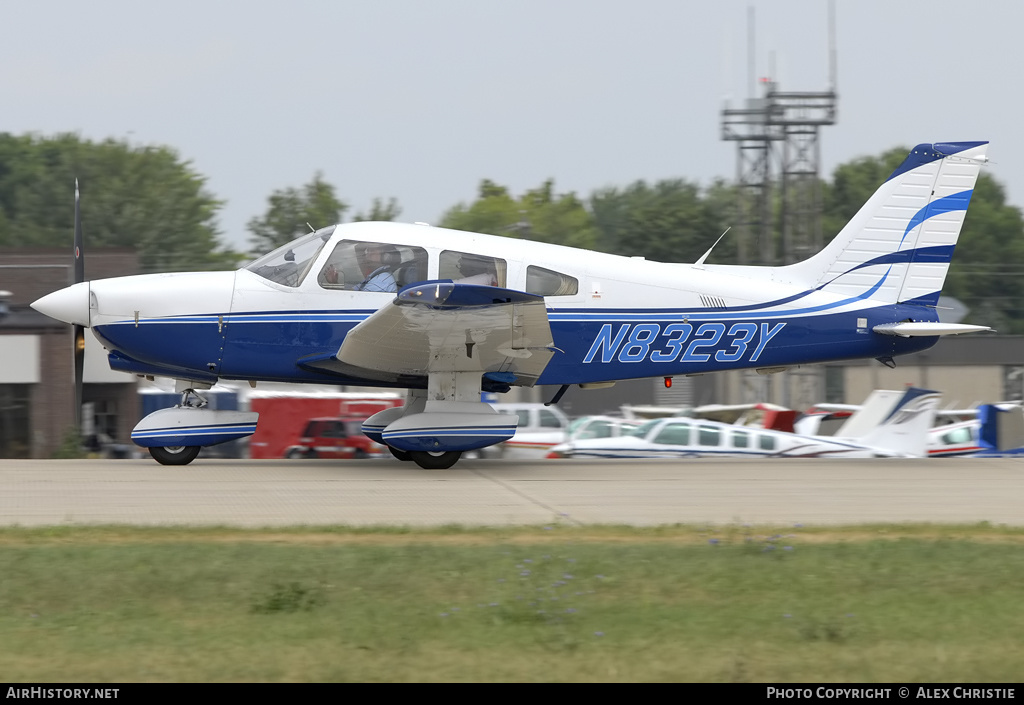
(619, 344)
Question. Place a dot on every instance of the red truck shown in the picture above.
(285, 419)
(335, 438)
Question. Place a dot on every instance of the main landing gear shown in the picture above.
(428, 460)
(174, 455)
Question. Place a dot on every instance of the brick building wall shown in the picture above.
(28, 274)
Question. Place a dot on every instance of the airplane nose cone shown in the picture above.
(70, 305)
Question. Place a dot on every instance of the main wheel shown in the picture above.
(174, 455)
(429, 460)
(400, 454)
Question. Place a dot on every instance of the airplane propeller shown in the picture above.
(79, 331)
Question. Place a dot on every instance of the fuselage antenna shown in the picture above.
(705, 255)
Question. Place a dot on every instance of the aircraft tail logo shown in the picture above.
(898, 247)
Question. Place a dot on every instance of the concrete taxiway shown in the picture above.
(501, 492)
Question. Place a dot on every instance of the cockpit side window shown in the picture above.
(547, 282)
(289, 264)
(466, 268)
(373, 266)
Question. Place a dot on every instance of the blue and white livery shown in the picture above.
(996, 431)
(889, 425)
(472, 312)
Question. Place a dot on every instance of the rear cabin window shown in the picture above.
(676, 434)
(709, 436)
(467, 268)
(740, 439)
(766, 442)
(547, 282)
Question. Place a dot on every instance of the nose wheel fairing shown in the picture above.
(189, 425)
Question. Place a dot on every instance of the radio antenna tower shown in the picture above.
(778, 141)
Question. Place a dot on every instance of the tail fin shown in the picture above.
(895, 422)
(1002, 427)
(899, 245)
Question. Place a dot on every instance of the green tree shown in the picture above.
(539, 214)
(853, 183)
(720, 200)
(668, 221)
(140, 197)
(380, 211)
(292, 212)
(987, 273)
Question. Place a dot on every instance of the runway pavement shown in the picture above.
(502, 492)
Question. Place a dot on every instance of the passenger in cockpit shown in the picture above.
(477, 270)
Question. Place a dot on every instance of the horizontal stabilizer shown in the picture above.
(916, 329)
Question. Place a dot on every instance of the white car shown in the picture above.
(540, 429)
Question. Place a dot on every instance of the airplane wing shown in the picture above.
(444, 327)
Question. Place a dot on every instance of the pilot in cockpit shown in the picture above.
(377, 263)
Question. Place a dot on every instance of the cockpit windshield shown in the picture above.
(289, 264)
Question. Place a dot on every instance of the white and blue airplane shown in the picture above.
(997, 430)
(449, 314)
(889, 425)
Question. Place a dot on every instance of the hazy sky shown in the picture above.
(421, 99)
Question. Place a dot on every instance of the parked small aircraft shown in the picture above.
(996, 430)
(449, 314)
(901, 433)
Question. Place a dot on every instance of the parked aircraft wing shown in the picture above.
(444, 327)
